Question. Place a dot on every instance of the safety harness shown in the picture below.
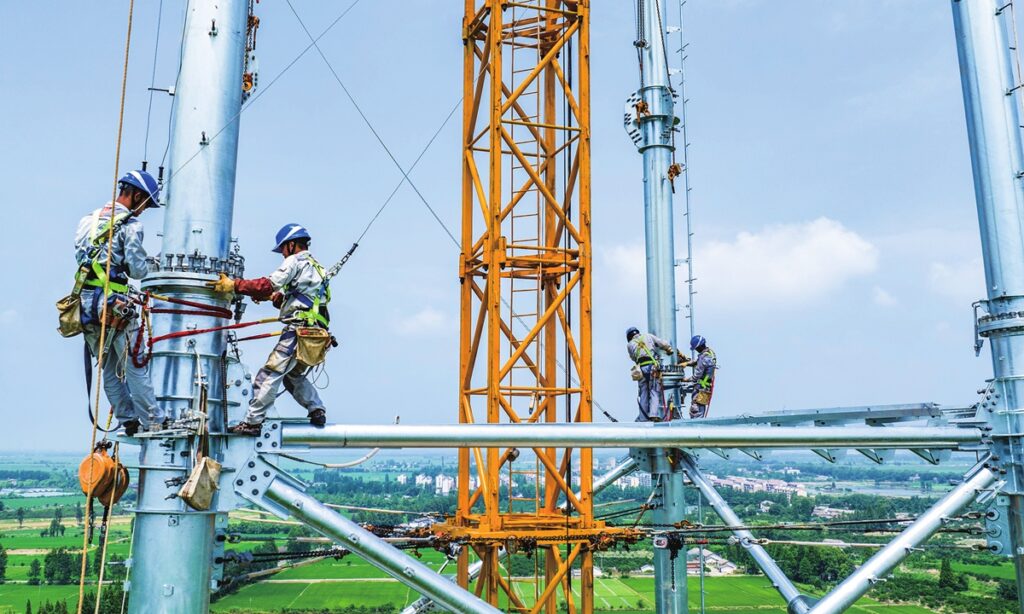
(652, 360)
(312, 315)
(707, 383)
(98, 279)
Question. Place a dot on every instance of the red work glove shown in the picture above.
(277, 299)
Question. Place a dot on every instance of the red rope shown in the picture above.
(145, 331)
(201, 331)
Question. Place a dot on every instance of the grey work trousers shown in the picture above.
(129, 388)
(651, 396)
(282, 367)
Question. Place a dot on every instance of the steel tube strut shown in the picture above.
(795, 601)
(265, 485)
(624, 468)
(885, 560)
(635, 435)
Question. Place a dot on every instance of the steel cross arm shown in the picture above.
(980, 478)
(796, 602)
(284, 435)
(871, 414)
(272, 489)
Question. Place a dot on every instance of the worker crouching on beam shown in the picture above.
(644, 349)
(299, 288)
(128, 387)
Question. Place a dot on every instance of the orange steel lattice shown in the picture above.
(525, 344)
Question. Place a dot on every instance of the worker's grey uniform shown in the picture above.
(703, 380)
(300, 280)
(129, 388)
(643, 350)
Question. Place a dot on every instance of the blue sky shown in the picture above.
(837, 251)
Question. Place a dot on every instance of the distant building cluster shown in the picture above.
(829, 513)
(758, 485)
(635, 480)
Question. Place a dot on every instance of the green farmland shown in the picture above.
(725, 595)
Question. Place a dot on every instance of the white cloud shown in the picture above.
(426, 321)
(628, 266)
(963, 282)
(783, 263)
(882, 298)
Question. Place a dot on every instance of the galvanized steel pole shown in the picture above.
(888, 558)
(652, 125)
(795, 601)
(172, 553)
(991, 92)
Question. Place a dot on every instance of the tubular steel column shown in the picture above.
(992, 106)
(650, 122)
(172, 555)
(525, 302)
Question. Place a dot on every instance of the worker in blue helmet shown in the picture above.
(301, 290)
(702, 381)
(645, 350)
(128, 388)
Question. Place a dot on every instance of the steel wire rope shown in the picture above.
(405, 173)
(177, 77)
(261, 91)
(152, 79)
(366, 120)
(103, 310)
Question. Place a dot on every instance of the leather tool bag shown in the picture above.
(201, 485)
(69, 315)
(311, 345)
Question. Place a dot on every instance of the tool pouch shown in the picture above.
(702, 397)
(636, 373)
(69, 315)
(201, 485)
(120, 312)
(311, 345)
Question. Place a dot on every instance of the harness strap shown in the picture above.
(312, 315)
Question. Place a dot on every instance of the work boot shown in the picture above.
(131, 427)
(246, 429)
(318, 417)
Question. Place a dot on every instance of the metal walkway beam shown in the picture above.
(284, 435)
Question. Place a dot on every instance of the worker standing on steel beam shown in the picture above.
(702, 382)
(300, 289)
(643, 349)
(128, 387)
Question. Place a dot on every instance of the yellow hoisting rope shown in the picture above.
(103, 313)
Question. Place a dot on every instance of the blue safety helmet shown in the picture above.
(697, 341)
(289, 232)
(141, 180)
(631, 332)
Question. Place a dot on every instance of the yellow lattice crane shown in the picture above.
(525, 344)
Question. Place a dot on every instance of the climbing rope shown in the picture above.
(105, 527)
(106, 292)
